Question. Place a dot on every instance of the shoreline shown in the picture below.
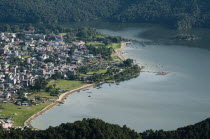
(61, 99)
(63, 96)
(118, 52)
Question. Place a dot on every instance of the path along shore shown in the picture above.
(62, 97)
(118, 52)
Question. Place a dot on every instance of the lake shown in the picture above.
(150, 101)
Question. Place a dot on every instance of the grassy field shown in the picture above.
(62, 34)
(26, 56)
(97, 72)
(101, 36)
(114, 45)
(62, 84)
(66, 84)
(23, 112)
(85, 75)
(116, 58)
(96, 44)
(41, 94)
(100, 71)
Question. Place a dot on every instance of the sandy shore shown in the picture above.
(62, 97)
(52, 105)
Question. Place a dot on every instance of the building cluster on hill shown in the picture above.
(26, 56)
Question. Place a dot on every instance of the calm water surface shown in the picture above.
(150, 101)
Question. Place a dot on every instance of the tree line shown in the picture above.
(98, 129)
(181, 14)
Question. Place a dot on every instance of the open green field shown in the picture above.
(114, 45)
(23, 112)
(100, 71)
(97, 72)
(96, 44)
(101, 36)
(62, 34)
(66, 84)
(85, 75)
(26, 56)
(116, 58)
(41, 94)
(62, 84)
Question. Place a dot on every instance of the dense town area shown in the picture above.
(32, 63)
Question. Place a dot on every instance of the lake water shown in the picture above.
(150, 101)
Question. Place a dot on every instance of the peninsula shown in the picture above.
(39, 70)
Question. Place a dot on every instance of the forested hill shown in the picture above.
(200, 130)
(97, 129)
(175, 13)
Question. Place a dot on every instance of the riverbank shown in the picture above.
(61, 99)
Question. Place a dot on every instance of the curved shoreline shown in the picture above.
(52, 105)
(62, 97)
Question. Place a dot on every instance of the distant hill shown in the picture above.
(182, 14)
(198, 131)
(98, 129)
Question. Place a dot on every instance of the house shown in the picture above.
(7, 124)
(59, 38)
(7, 95)
(24, 83)
(2, 51)
(78, 43)
(29, 32)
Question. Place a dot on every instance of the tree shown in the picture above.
(128, 62)
(54, 85)
(40, 83)
(8, 29)
(56, 76)
(50, 87)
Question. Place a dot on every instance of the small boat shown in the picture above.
(162, 73)
(89, 96)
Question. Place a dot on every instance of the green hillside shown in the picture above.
(182, 14)
(98, 129)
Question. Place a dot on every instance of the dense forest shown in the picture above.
(198, 131)
(98, 129)
(85, 129)
(181, 14)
